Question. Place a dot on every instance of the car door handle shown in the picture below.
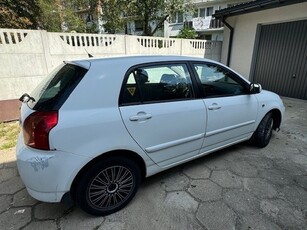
(214, 106)
(140, 117)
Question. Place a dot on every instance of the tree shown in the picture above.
(19, 14)
(113, 15)
(59, 15)
(116, 13)
(56, 16)
(93, 14)
(156, 10)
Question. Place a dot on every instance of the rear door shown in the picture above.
(161, 114)
(231, 110)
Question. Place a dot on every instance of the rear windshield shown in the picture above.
(53, 91)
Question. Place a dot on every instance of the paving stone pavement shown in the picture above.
(241, 187)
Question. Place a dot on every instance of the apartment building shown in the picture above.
(201, 20)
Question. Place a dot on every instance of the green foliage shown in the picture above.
(59, 15)
(187, 33)
(49, 15)
(116, 13)
(50, 19)
(72, 22)
(88, 7)
(19, 14)
(8, 134)
(83, 4)
(113, 15)
(56, 16)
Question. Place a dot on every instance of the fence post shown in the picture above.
(181, 48)
(125, 41)
(46, 51)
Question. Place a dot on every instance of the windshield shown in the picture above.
(53, 91)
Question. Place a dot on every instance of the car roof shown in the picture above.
(138, 59)
(132, 60)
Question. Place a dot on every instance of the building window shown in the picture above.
(208, 37)
(138, 25)
(209, 11)
(177, 18)
(202, 12)
(205, 12)
(173, 19)
(195, 14)
(188, 24)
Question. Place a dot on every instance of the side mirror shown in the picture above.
(255, 88)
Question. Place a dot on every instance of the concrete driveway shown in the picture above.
(241, 187)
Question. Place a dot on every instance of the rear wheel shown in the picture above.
(263, 133)
(108, 186)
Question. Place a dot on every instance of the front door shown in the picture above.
(161, 114)
(231, 110)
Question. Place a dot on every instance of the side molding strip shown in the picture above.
(174, 143)
(229, 128)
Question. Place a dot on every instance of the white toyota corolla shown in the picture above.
(93, 129)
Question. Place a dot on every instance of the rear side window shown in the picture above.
(54, 90)
(157, 83)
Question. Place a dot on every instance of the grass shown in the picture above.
(8, 134)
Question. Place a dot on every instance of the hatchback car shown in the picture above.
(93, 129)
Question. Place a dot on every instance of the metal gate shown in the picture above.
(281, 58)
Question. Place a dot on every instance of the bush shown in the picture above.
(187, 33)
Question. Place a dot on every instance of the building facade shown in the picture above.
(201, 20)
(266, 41)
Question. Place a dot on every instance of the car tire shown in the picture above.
(263, 133)
(108, 186)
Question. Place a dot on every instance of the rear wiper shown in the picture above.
(26, 98)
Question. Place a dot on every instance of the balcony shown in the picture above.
(216, 24)
(206, 23)
(212, 25)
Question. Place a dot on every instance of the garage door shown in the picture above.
(281, 58)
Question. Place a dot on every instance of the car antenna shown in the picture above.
(89, 55)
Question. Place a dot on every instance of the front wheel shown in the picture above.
(263, 133)
(108, 186)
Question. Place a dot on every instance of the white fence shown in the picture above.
(28, 55)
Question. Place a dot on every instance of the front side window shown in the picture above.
(157, 84)
(217, 81)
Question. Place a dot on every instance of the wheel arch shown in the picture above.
(277, 117)
(115, 153)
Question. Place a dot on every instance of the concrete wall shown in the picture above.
(26, 56)
(245, 31)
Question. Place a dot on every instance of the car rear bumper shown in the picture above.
(47, 175)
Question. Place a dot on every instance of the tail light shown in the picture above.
(36, 129)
